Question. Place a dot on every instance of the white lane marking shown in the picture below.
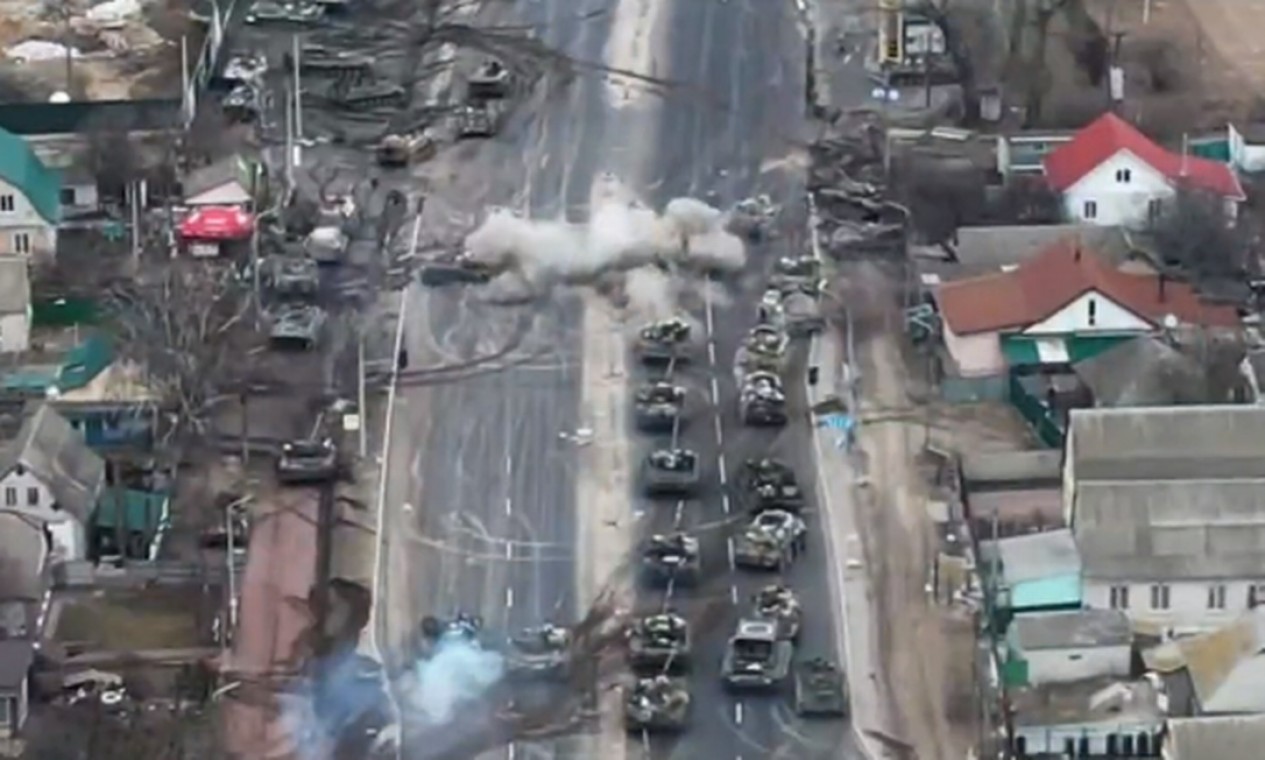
(733, 597)
(724, 502)
(720, 462)
(720, 434)
(711, 352)
(509, 465)
(715, 392)
(680, 509)
(730, 545)
(738, 713)
(509, 597)
(510, 752)
(509, 550)
(710, 325)
(509, 506)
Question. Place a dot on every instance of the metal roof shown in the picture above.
(1226, 666)
(1231, 737)
(1038, 555)
(55, 452)
(1078, 629)
(1168, 443)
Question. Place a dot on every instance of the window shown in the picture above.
(21, 242)
(10, 497)
(7, 203)
(1123, 175)
(1154, 208)
(1160, 596)
(1119, 597)
(1093, 312)
(67, 196)
(1216, 597)
(1256, 595)
(32, 497)
(1091, 210)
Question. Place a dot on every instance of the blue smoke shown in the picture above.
(456, 674)
(338, 692)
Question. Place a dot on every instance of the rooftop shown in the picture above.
(1226, 666)
(21, 168)
(55, 452)
(1236, 737)
(1150, 371)
(1038, 555)
(993, 469)
(1098, 700)
(988, 250)
(1079, 629)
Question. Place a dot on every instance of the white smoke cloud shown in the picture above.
(458, 673)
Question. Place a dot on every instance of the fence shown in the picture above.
(1043, 420)
(80, 575)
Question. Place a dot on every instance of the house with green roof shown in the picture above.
(30, 200)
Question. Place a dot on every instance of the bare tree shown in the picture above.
(1194, 233)
(1028, 200)
(952, 17)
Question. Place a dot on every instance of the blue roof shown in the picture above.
(21, 168)
(1043, 593)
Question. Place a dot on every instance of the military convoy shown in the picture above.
(671, 559)
(762, 401)
(756, 657)
(484, 107)
(820, 690)
(659, 406)
(771, 541)
(779, 603)
(771, 484)
(540, 652)
(671, 472)
(297, 326)
(663, 342)
(659, 642)
(658, 704)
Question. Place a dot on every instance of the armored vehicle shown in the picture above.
(292, 276)
(671, 559)
(245, 68)
(479, 119)
(660, 642)
(803, 316)
(457, 269)
(365, 92)
(779, 603)
(492, 81)
(241, 103)
(307, 461)
(658, 406)
(318, 60)
(327, 244)
(664, 341)
(767, 346)
(659, 704)
(401, 150)
(771, 484)
(791, 272)
(268, 11)
(761, 401)
(540, 652)
(769, 311)
(297, 326)
(820, 689)
(755, 658)
(670, 472)
(770, 541)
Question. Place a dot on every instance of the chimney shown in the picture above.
(1163, 282)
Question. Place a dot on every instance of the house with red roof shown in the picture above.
(1065, 304)
(1110, 173)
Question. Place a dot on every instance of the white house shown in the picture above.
(1167, 505)
(15, 304)
(49, 474)
(30, 208)
(1110, 173)
(1065, 647)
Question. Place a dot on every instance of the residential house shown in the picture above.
(1243, 147)
(29, 200)
(1230, 737)
(1071, 646)
(1092, 718)
(49, 474)
(1215, 673)
(974, 251)
(16, 658)
(1023, 153)
(1110, 173)
(1167, 505)
(15, 304)
(1039, 572)
(226, 182)
(1010, 493)
(1167, 371)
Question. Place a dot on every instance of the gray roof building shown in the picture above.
(1078, 629)
(984, 250)
(1231, 737)
(1149, 371)
(55, 452)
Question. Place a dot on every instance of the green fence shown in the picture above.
(1036, 413)
(64, 312)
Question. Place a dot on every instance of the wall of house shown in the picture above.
(79, 197)
(1118, 202)
(977, 355)
(1188, 602)
(1076, 663)
(15, 332)
(1108, 317)
(24, 220)
(1244, 155)
(67, 533)
(1053, 739)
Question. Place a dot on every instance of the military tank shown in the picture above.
(665, 341)
(671, 559)
(793, 272)
(820, 689)
(761, 400)
(771, 484)
(658, 406)
(773, 540)
(658, 704)
(777, 602)
(659, 642)
(456, 269)
(671, 472)
(540, 652)
(755, 658)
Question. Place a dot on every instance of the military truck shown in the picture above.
(543, 651)
(297, 326)
(755, 658)
(778, 602)
(820, 689)
(772, 540)
(770, 484)
(671, 472)
(660, 642)
(658, 406)
(761, 401)
(658, 704)
(665, 341)
(307, 461)
(671, 559)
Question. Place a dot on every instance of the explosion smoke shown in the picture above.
(458, 673)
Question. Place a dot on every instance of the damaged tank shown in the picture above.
(659, 642)
(762, 402)
(671, 559)
(820, 689)
(540, 652)
(755, 658)
(292, 276)
(671, 472)
(772, 540)
(664, 341)
(658, 406)
(458, 269)
(778, 602)
(659, 704)
(771, 484)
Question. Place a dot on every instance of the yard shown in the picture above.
(135, 619)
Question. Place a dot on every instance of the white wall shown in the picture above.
(15, 332)
(1050, 739)
(977, 355)
(1188, 603)
(14, 489)
(1109, 317)
(1076, 664)
(1119, 203)
(85, 196)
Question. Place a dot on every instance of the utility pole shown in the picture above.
(229, 525)
(298, 103)
(289, 149)
(360, 393)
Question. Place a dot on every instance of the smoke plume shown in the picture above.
(458, 673)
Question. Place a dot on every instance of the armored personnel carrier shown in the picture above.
(491, 81)
(771, 484)
(755, 658)
(297, 326)
(767, 346)
(659, 704)
(779, 603)
(540, 652)
(397, 151)
(664, 341)
(671, 559)
(671, 472)
(770, 541)
(659, 642)
(321, 61)
(365, 92)
(658, 406)
(761, 401)
(820, 689)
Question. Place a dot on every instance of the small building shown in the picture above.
(1219, 672)
(15, 304)
(1099, 717)
(1064, 647)
(227, 182)
(1110, 173)
(16, 659)
(50, 475)
(1023, 153)
(30, 207)
(1039, 572)
(1229, 737)
(1012, 493)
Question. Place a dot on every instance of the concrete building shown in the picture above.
(1091, 718)
(1065, 647)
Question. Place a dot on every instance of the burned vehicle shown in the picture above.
(396, 151)
(269, 11)
(540, 652)
(772, 540)
(771, 484)
(365, 92)
(308, 461)
(671, 472)
(291, 276)
(671, 559)
(777, 602)
(794, 272)
(762, 402)
(318, 60)
(755, 658)
(458, 269)
(664, 341)
(820, 689)
(657, 407)
(659, 642)
(327, 244)
(297, 327)
(659, 704)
